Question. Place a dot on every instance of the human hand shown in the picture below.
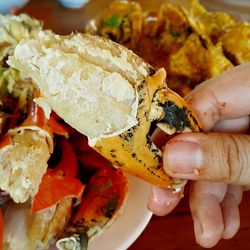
(217, 161)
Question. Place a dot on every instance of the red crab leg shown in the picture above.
(86, 155)
(54, 188)
(106, 193)
(59, 182)
(58, 128)
(14, 118)
(37, 118)
(68, 162)
(107, 185)
(92, 160)
(9, 120)
(79, 142)
(5, 140)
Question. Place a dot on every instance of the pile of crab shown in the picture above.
(54, 188)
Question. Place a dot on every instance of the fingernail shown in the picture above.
(162, 201)
(183, 157)
(157, 196)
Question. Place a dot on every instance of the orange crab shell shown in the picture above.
(5, 140)
(60, 182)
(36, 120)
(105, 196)
(133, 150)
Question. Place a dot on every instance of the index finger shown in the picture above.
(222, 97)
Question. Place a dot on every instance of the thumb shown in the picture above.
(213, 156)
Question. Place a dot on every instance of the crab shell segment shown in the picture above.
(133, 150)
(25, 151)
(5, 140)
(60, 182)
(58, 128)
(37, 231)
(36, 121)
(105, 196)
(174, 116)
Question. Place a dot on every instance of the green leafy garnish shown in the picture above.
(175, 33)
(113, 21)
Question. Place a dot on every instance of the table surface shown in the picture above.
(171, 232)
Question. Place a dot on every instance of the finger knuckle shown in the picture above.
(236, 161)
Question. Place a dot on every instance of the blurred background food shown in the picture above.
(163, 33)
(192, 43)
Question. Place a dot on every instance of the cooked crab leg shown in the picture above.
(102, 203)
(57, 128)
(55, 195)
(51, 207)
(60, 182)
(5, 140)
(23, 230)
(24, 153)
(36, 121)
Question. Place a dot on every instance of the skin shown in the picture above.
(216, 160)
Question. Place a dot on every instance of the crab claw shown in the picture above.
(109, 94)
(133, 150)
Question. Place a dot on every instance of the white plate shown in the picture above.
(130, 224)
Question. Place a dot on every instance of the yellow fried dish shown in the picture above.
(191, 43)
(236, 43)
